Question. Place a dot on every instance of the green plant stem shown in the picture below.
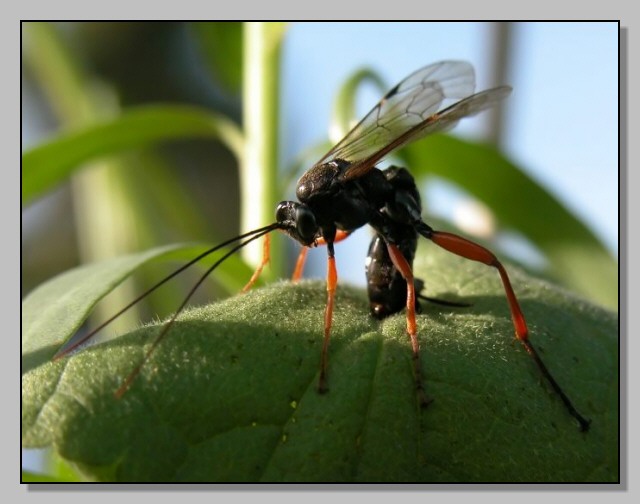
(259, 166)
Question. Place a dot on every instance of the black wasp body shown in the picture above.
(387, 200)
(386, 287)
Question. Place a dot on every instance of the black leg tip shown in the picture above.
(423, 399)
(584, 424)
(322, 386)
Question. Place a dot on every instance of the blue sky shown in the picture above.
(562, 118)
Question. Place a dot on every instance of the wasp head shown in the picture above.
(298, 221)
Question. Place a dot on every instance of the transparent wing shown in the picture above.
(423, 103)
(408, 104)
(439, 121)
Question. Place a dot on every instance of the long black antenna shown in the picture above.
(257, 232)
(127, 383)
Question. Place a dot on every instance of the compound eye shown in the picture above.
(306, 224)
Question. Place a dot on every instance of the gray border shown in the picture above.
(623, 244)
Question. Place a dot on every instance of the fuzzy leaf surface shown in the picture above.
(231, 395)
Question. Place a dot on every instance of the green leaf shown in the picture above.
(53, 313)
(576, 257)
(49, 164)
(230, 393)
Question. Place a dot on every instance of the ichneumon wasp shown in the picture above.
(345, 190)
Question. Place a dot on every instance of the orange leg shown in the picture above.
(404, 268)
(475, 252)
(265, 261)
(332, 282)
(302, 256)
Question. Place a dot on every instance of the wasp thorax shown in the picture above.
(317, 182)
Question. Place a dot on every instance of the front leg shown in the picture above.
(302, 256)
(332, 282)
